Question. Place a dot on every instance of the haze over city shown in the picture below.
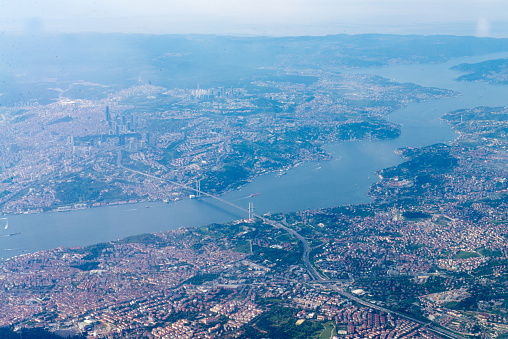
(253, 169)
(264, 17)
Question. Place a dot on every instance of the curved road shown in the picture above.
(430, 325)
(306, 248)
(306, 251)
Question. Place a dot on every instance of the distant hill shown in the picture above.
(490, 71)
(36, 66)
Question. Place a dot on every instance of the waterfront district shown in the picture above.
(66, 155)
(427, 258)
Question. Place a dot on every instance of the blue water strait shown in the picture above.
(343, 180)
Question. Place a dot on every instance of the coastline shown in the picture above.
(301, 189)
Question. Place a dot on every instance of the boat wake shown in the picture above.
(6, 223)
(247, 197)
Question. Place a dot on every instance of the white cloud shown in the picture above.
(483, 28)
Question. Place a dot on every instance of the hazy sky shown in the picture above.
(260, 17)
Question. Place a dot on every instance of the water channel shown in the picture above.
(343, 180)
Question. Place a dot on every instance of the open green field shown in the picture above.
(329, 331)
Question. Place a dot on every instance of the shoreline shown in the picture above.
(89, 205)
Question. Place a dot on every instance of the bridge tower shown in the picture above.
(251, 209)
(198, 188)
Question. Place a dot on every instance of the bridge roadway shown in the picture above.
(306, 248)
(318, 279)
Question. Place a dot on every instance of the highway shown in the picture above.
(431, 326)
(318, 279)
(306, 247)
